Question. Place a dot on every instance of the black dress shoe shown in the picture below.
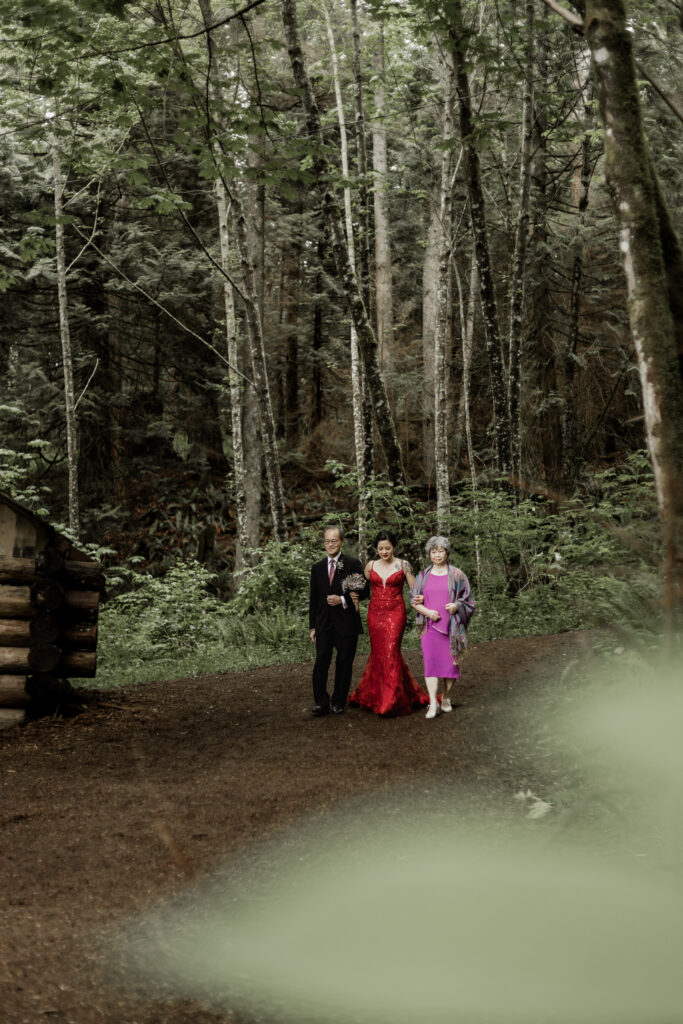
(320, 709)
(337, 709)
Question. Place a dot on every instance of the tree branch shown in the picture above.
(190, 35)
(573, 19)
(163, 309)
(97, 363)
(670, 104)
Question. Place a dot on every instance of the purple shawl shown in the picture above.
(460, 594)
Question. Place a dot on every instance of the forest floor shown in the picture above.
(106, 814)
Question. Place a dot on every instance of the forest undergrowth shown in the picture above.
(535, 567)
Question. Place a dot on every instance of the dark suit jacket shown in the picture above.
(321, 615)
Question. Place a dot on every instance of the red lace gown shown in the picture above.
(387, 686)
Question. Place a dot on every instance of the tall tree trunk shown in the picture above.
(360, 427)
(364, 233)
(347, 278)
(243, 535)
(383, 282)
(543, 358)
(259, 370)
(467, 334)
(67, 356)
(467, 325)
(249, 250)
(519, 258)
(501, 430)
(430, 292)
(291, 286)
(116, 405)
(443, 307)
(640, 211)
(252, 414)
(316, 376)
(569, 361)
(365, 226)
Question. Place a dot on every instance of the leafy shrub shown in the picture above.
(173, 626)
(543, 570)
(281, 577)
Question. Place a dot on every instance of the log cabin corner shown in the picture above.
(49, 600)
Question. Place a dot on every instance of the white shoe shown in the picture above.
(446, 704)
(433, 710)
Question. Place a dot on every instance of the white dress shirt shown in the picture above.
(333, 562)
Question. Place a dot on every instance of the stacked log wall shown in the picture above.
(49, 604)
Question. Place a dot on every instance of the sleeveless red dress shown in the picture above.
(387, 686)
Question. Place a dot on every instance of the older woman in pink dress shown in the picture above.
(442, 599)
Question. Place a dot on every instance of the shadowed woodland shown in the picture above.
(362, 260)
(401, 264)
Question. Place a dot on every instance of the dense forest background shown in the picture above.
(250, 285)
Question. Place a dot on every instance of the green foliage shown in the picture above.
(174, 611)
(143, 136)
(281, 577)
(16, 472)
(173, 625)
(544, 570)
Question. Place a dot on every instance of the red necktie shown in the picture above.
(332, 564)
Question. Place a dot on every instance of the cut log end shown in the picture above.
(11, 716)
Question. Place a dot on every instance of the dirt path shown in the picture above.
(103, 814)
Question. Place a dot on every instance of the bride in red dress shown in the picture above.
(387, 686)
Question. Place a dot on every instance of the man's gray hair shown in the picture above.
(438, 542)
(333, 527)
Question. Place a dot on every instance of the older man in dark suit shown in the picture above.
(334, 623)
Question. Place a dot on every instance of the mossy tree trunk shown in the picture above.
(361, 427)
(645, 234)
(458, 41)
(520, 253)
(380, 165)
(441, 334)
(243, 538)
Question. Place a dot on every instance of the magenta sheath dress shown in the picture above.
(436, 648)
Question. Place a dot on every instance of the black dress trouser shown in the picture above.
(325, 643)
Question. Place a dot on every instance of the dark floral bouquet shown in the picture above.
(354, 581)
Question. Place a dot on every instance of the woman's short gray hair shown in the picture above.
(438, 542)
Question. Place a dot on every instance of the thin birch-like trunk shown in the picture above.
(430, 292)
(113, 371)
(569, 363)
(467, 335)
(541, 335)
(639, 211)
(361, 162)
(384, 301)
(519, 257)
(364, 233)
(347, 278)
(67, 355)
(252, 288)
(253, 196)
(443, 312)
(289, 301)
(359, 424)
(243, 538)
